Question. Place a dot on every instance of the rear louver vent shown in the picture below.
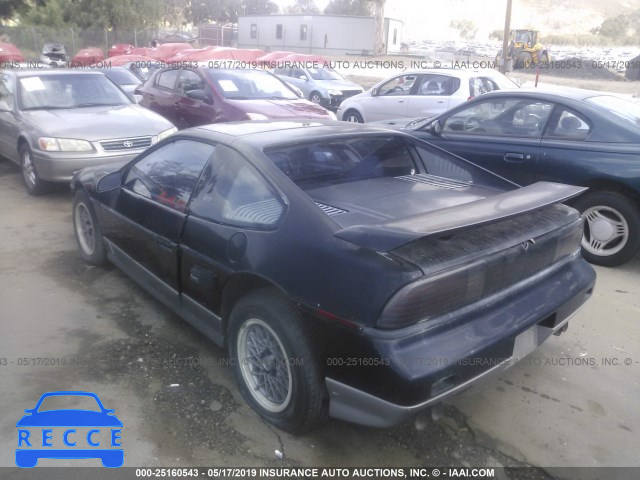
(435, 181)
(329, 210)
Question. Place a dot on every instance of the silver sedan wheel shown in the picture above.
(606, 231)
(28, 169)
(315, 98)
(264, 366)
(85, 230)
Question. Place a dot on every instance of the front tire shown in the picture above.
(275, 366)
(611, 228)
(353, 116)
(87, 230)
(32, 182)
(315, 97)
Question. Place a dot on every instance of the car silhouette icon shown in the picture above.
(28, 451)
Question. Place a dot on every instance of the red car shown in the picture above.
(197, 96)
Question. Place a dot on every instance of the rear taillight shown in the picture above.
(457, 287)
(470, 98)
(429, 298)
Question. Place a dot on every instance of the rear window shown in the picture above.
(343, 160)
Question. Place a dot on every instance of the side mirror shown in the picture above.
(303, 77)
(110, 181)
(197, 95)
(436, 127)
(375, 91)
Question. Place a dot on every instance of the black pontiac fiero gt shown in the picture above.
(352, 271)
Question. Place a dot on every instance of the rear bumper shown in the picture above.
(60, 166)
(424, 368)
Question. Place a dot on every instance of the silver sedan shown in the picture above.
(55, 122)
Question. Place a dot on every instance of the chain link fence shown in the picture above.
(30, 40)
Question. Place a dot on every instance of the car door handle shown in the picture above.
(400, 101)
(515, 157)
(164, 244)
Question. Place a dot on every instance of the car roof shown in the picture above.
(448, 71)
(30, 72)
(260, 133)
(557, 94)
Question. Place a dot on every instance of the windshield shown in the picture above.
(69, 91)
(323, 74)
(623, 109)
(121, 76)
(250, 85)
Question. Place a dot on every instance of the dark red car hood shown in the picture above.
(281, 108)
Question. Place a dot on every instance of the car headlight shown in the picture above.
(64, 145)
(166, 133)
(335, 92)
(257, 116)
(332, 115)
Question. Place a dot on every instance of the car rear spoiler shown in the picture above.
(384, 237)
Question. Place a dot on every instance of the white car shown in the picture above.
(423, 93)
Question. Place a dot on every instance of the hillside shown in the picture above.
(427, 19)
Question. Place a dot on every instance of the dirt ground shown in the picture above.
(121, 343)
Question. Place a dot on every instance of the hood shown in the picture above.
(281, 108)
(379, 200)
(98, 123)
(69, 418)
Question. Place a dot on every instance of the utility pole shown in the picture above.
(506, 60)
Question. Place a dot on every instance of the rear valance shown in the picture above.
(385, 237)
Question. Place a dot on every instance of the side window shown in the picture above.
(254, 30)
(232, 192)
(401, 85)
(190, 80)
(6, 92)
(169, 175)
(439, 85)
(501, 116)
(298, 73)
(480, 85)
(279, 31)
(167, 79)
(570, 126)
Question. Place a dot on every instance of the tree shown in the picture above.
(497, 34)
(10, 8)
(258, 7)
(348, 7)
(466, 28)
(303, 6)
(378, 15)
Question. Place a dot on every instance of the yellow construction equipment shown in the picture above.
(525, 49)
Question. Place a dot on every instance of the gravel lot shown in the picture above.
(569, 404)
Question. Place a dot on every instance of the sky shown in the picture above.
(431, 18)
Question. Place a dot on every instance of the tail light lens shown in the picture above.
(452, 289)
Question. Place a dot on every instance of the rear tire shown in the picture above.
(612, 228)
(87, 230)
(353, 116)
(276, 367)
